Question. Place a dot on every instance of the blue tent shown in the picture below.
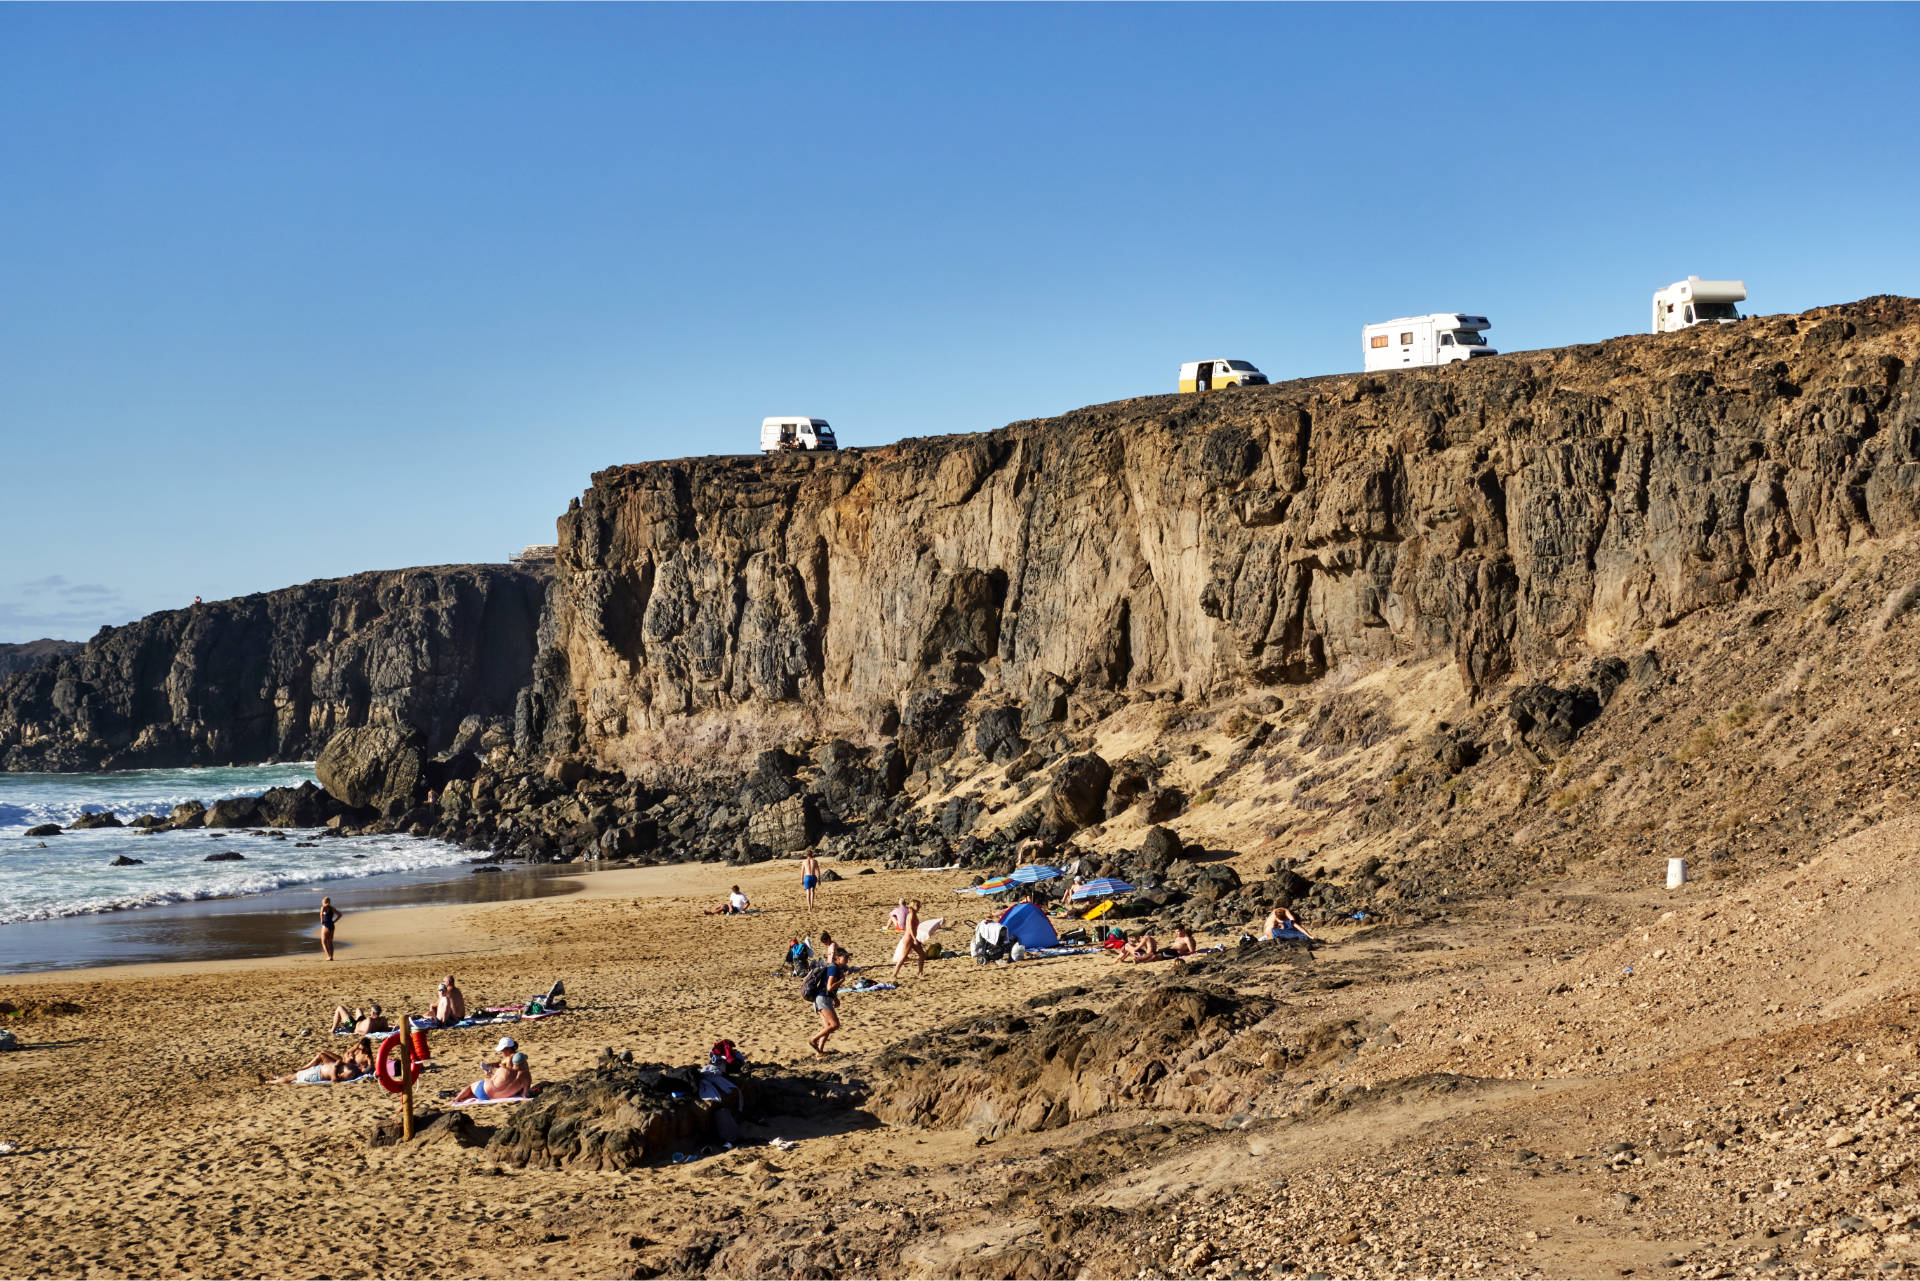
(1029, 925)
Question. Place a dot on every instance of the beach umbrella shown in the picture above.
(994, 886)
(1033, 872)
(1102, 888)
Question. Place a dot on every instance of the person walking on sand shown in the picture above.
(329, 917)
(828, 1002)
(809, 877)
(910, 944)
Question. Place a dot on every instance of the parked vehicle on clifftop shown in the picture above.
(780, 434)
(1437, 339)
(1212, 375)
(1694, 301)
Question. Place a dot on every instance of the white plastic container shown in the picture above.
(1676, 873)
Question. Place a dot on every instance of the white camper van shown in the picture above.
(1694, 301)
(1439, 339)
(777, 434)
(1212, 375)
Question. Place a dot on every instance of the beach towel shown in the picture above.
(865, 985)
(1289, 932)
(481, 1103)
(927, 928)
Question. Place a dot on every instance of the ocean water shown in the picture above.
(47, 878)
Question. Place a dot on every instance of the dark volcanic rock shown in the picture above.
(302, 806)
(87, 822)
(124, 861)
(187, 814)
(785, 827)
(274, 675)
(44, 829)
(224, 856)
(239, 811)
(1079, 792)
(27, 656)
(377, 767)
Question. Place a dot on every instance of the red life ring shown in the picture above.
(393, 1080)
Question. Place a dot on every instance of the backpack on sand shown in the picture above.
(814, 984)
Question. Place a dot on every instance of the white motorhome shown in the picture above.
(1694, 301)
(778, 434)
(1439, 339)
(1212, 375)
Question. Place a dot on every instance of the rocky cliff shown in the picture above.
(274, 675)
(28, 655)
(1505, 514)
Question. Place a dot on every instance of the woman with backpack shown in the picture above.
(826, 997)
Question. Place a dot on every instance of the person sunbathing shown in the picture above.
(509, 1079)
(1183, 944)
(361, 1021)
(1144, 948)
(322, 1068)
(1281, 923)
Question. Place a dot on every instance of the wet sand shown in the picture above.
(259, 926)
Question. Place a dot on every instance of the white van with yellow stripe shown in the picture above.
(1212, 375)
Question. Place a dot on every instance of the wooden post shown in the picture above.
(406, 1075)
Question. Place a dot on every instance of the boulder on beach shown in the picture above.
(237, 811)
(187, 814)
(378, 767)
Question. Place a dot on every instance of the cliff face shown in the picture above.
(28, 655)
(1506, 513)
(273, 675)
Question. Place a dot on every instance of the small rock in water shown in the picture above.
(45, 829)
(124, 861)
(225, 856)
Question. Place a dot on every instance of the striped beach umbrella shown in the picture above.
(1102, 888)
(1034, 872)
(994, 886)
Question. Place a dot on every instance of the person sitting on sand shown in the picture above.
(910, 944)
(1281, 923)
(362, 1021)
(451, 1005)
(897, 918)
(1144, 948)
(507, 1079)
(736, 904)
(325, 1067)
(1183, 944)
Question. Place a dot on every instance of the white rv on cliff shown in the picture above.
(1439, 339)
(777, 434)
(1694, 301)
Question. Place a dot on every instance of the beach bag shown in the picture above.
(799, 957)
(815, 984)
(725, 1058)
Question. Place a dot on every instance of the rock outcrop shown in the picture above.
(1506, 513)
(26, 656)
(273, 676)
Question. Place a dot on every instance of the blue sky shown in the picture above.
(289, 292)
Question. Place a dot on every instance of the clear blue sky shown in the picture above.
(289, 292)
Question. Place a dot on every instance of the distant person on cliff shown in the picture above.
(809, 877)
(828, 1000)
(450, 1006)
(329, 917)
(910, 944)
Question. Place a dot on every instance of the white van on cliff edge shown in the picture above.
(778, 434)
(1694, 301)
(1437, 339)
(1212, 375)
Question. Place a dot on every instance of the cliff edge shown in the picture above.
(273, 675)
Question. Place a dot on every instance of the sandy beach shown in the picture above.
(146, 1146)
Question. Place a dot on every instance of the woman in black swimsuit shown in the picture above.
(328, 915)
